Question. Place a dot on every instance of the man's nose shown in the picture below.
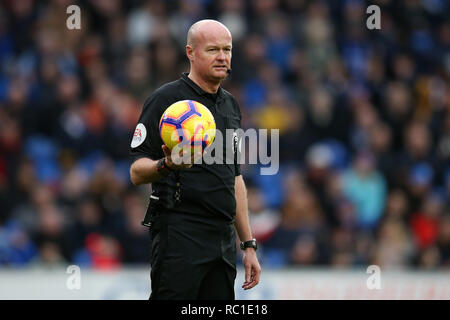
(222, 55)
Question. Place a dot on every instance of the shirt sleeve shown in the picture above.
(146, 140)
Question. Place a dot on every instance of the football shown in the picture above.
(187, 122)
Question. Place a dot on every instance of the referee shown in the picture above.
(194, 209)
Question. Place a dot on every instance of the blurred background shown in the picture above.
(364, 120)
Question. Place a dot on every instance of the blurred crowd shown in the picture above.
(363, 116)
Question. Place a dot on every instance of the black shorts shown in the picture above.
(192, 258)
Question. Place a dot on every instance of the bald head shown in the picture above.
(206, 29)
(208, 49)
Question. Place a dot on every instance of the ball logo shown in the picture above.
(139, 135)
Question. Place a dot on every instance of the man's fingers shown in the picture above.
(165, 150)
(182, 160)
(249, 279)
(249, 285)
(252, 277)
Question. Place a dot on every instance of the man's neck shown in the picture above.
(206, 86)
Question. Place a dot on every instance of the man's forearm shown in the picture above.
(144, 171)
(242, 223)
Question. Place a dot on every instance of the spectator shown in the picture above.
(301, 219)
(424, 224)
(395, 248)
(134, 237)
(263, 220)
(444, 240)
(366, 189)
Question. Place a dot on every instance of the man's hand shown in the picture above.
(252, 269)
(173, 158)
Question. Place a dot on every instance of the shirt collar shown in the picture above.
(196, 87)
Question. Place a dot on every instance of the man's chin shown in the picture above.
(216, 79)
(219, 75)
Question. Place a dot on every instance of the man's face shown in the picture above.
(212, 55)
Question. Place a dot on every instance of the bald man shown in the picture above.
(195, 210)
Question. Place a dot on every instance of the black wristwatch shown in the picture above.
(162, 167)
(249, 244)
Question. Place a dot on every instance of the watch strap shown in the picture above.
(249, 244)
(162, 167)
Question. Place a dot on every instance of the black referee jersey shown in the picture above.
(205, 189)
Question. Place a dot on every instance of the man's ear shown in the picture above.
(190, 52)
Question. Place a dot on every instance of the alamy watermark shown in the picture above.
(374, 20)
(74, 280)
(374, 281)
(74, 20)
(238, 146)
